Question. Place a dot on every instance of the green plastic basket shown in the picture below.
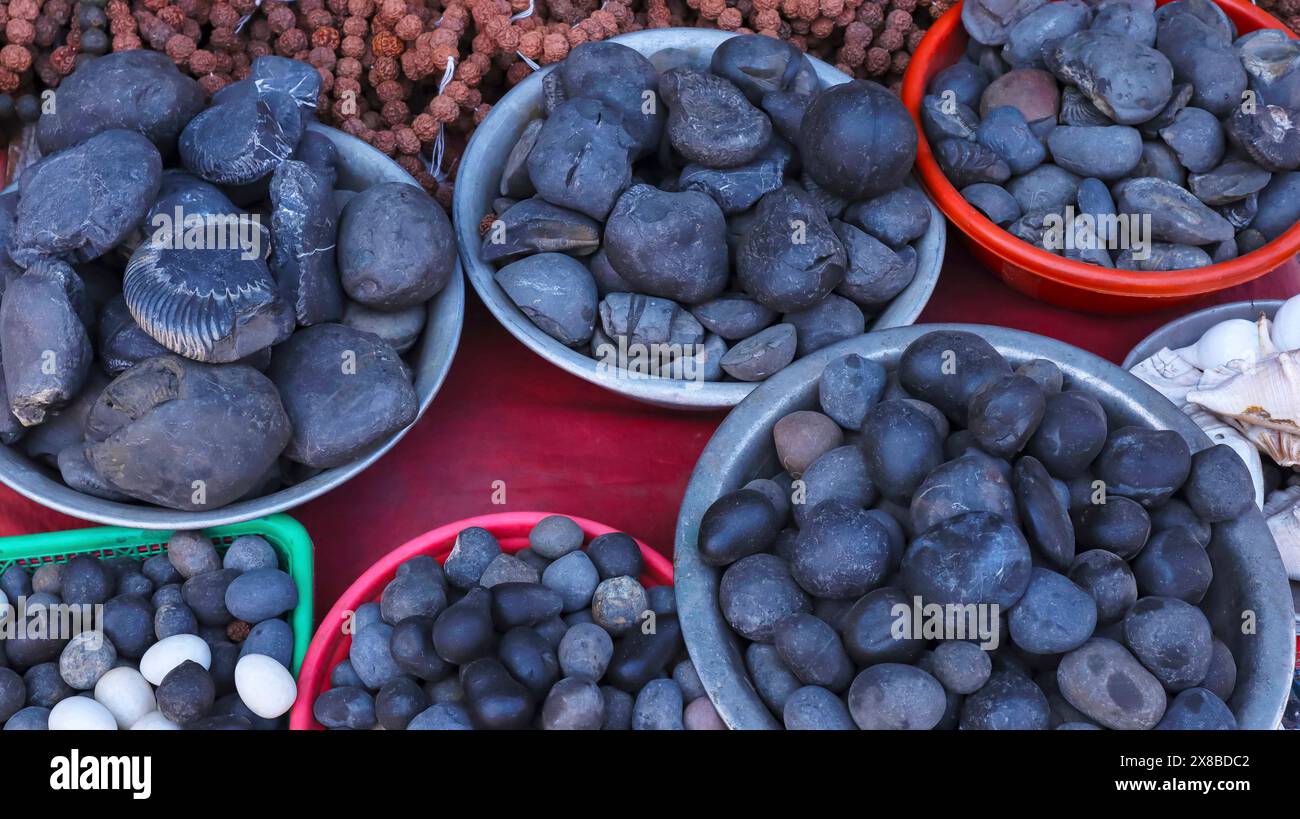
(286, 535)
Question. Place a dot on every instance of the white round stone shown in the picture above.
(81, 714)
(166, 654)
(265, 686)
(126, 694)
(154, 721)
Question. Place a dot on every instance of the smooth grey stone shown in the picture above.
(964, 79)
(1176, 215)
(1159, 161)
(1105, 152)
(1163, 256)
(582, 159)
(895, 218)
(536, 226)
(994, 201)
(1134, 19)
(556, 292)
(733, 316)
(1005, 132)
(1047, 187)
(762, 354)
(667, 244)
(1026, 38)
(1279, 206)
(1230, 182)
(875, 274)
(1197, 139)
(833, 319)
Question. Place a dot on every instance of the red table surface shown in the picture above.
(560, 444)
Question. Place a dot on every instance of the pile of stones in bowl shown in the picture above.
(188, 639)
(706, 223)
(961, 544)
(1069, 124)
(219, 329)
(556, 636)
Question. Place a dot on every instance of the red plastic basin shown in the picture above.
(1052, 278)
(330, 645)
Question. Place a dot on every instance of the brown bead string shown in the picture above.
(381, 61)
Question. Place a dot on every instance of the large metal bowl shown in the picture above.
(1187, 330)
(360, 166)
(477, 184)
(1248, 573)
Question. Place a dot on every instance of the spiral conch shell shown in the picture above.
(1264, 394)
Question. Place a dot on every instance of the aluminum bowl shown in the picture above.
(1248, 572)
(477, 184)
(360, 166)
(1187, 330)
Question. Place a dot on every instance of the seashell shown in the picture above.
(966, 163)
(942, 121)
(241, 140)
(1222, 432)
(1286, 325)
(1284, 524)
(212, 305)
(1282, 447)
(1265, 394)
(1272, 60)
(1231, 340)
(1240, 215)
(1077, 109)
(1264, 330)
(1268, 134)
(1169, 374)
(1213, 378)
(1188, 354)
(1127, 81)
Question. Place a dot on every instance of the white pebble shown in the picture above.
(165, 655)
(154, 721)
(81, 714)
(126, 694)
(265, 686)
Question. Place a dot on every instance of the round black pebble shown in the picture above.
(736, 525)
(1174, 565)
(1119, 525)
(1219, 487)
(1147, 465)
(615, 555)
